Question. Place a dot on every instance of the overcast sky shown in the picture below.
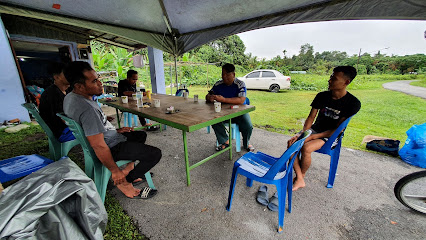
(400, 37)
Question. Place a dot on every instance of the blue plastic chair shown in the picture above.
(270, 170)
(21, 166)
(179, 92)
(235, 131)
(56, 148)
(96, 98)
(93, 167)
(332, 148)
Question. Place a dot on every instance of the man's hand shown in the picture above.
(219, 98)
(125, 129)
(210, 97)
(292, 140)
(118, 177)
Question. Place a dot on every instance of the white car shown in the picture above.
(266, 79)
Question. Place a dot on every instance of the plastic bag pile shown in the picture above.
(414, 150)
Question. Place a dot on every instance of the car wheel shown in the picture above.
(274, 88)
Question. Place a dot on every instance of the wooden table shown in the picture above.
(191, 117)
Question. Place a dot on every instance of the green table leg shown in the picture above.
(118, 117)
(185, 149)
(230, 140)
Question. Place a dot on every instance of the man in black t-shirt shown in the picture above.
(51, 103)
(330, 108)
(127, 87)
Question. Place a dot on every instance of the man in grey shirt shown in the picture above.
(110, 144)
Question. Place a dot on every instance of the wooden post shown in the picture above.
(171, 81)
(176, 74)
(208, 75)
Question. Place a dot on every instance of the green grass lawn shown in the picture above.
(383, 113)
(421, 83)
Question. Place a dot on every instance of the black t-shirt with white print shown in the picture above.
(331, 111)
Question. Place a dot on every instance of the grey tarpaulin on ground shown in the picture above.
(56, 202)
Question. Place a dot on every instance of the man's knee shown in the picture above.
(312, 146)
(156, 155)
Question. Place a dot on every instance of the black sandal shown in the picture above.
(221, 147)
(153, 128)
(250, 149)
(146, 193)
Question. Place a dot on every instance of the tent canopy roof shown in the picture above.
(177, 26)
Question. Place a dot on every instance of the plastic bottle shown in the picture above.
(139, 100)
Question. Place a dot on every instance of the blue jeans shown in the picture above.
(244, 124)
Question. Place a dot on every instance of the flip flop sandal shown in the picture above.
(221, 147)
(262, 195)
(273, 203)
(152, 128)
(250, 149)
(146, 193)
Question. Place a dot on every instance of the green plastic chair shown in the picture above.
(56, 148)
(92, 166)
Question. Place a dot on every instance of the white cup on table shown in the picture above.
(134, 96)
(124, 99)
(157, 103)
(217, 106)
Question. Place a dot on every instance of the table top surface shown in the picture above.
(191, 116)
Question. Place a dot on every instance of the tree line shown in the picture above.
(232, 50)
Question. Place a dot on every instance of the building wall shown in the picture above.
(11, 89)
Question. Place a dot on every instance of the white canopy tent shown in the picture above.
(177, 26)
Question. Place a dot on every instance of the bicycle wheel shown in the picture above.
(411, 191)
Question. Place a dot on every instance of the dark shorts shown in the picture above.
(336, 141)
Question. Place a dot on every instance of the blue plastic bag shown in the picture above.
(414, 150)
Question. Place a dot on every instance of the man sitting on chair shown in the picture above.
(51, 102)
(332, 107)
(233, 91)
(127, 87)
(110, 145)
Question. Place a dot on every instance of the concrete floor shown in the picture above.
(360, 206)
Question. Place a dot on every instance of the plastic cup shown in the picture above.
(134, 96)
(195, 98)
(157, 103)
(217, 106)
(185, 94)
(124, 99)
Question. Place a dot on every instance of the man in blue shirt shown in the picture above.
(233, 91)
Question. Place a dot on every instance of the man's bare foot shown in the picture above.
(129, 167)
(137, 180)
(298, 183)
(128, 189)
